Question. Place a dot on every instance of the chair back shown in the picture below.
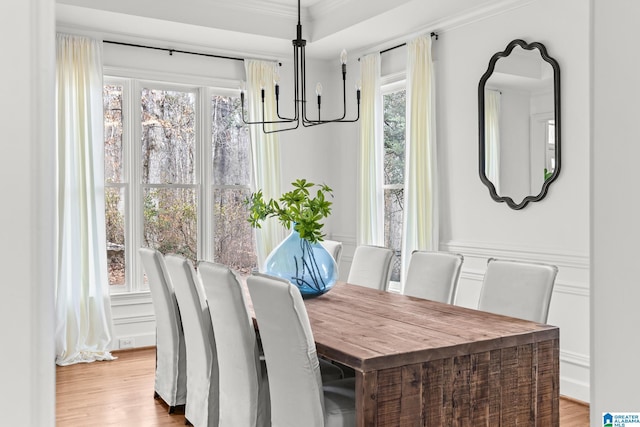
(171, 367)
(236, 345)
(334, 248)
(518, 289)
(295, 384)
(371, 267)
(433, 275)
(202, 368)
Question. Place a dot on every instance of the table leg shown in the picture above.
(366, 399)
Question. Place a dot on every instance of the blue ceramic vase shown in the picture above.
(307, 265)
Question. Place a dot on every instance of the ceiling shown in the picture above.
(265, 27)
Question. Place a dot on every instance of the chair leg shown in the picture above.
(156, 395)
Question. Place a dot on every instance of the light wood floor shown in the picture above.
(120, 393)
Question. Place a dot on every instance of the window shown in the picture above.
(115, 183)
(169, 186)
(550, 152)
(394, 107)
(231, 149)
(168, 169)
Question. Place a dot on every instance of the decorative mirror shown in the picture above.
(519, 120)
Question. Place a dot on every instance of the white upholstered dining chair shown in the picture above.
(334, 248)
(518, 289)
(298, 395)
(244, 396)
(171, 366)
(202, 367)
(433, 275)
(371, 267)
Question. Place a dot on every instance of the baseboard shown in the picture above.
(573, 400)
(574, 390)
(132, 350)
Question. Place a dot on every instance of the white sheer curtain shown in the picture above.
(420, 228)
(83, 309)
(492, 102)
(265, 150)
(370, 198)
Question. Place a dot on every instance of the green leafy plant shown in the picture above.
(296, 206)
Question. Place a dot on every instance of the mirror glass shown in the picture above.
(519, 104)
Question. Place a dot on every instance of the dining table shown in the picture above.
(424, 363)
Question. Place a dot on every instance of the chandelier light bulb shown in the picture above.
(343, 57)
(319, 89)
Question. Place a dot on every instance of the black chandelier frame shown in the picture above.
(300, 99)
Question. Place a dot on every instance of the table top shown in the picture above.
(368, 329)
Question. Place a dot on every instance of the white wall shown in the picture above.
(27, 360)
(615, 300)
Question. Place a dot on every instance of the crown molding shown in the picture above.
(483, 11)
(308, 13)
(323, 8)
(264, 8)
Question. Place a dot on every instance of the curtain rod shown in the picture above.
(433, 34)
(173, 50)
(233, 58)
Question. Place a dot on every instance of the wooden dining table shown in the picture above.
(424, 363)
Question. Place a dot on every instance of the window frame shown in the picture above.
(390, 84)
(132, 82)
(125, 181)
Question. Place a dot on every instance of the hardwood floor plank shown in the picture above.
(114, 393)
(573, 413)
(120, 393)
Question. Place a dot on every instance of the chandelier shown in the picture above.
(300, 99)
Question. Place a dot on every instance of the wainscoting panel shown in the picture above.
(134, 322)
